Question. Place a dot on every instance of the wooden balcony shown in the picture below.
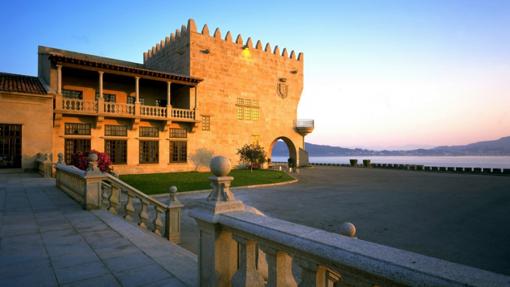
(110, 109)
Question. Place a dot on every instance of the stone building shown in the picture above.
(194, 94)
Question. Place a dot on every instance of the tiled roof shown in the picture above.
(21, 84)
(64, 56)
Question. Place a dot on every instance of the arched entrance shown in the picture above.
(281, 155)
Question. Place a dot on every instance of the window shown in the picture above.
(116, 131)
(77, 129)
(71, 94)
(178, 151)
(247, 109)
(116, 150)
(132, 100)
(149, 151)
(150, 132)
(109, 98)
(73, 146)
(178, 133)
(206, 123)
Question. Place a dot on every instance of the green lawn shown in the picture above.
(155, 183)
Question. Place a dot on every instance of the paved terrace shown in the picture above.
(46, 239)
(459, 218)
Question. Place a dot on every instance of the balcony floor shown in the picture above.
(46, 239)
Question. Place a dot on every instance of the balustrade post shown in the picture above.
(218, 251)
(158, 221)
(310, 275)
(144, 214)
(247, 273)
(173, 217)
(93, 178)
(279, 268)
(129, 208)
(114, 200)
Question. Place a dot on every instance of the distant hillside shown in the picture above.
(495, 147)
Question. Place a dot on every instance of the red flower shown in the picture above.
(81, 161)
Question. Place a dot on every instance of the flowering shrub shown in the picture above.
(81, 161)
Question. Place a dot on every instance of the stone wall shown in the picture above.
(231, 69)
(34, 113)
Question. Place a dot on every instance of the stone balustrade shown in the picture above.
(153, 111)
(72, 181)
(43, 165)
(240, 247)
(183, 114)
(94, 189)
(77, 105)
(119, 108)
(133, 205)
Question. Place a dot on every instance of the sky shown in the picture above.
(378, 74)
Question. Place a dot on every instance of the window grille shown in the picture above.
(150, 132)
(73, 146)
(178, 133)
(178, 151)
(149, 151)
(72, 94)
(116, 150)
(109, 98)
(77, 129)
(116, 131)
(206, 123)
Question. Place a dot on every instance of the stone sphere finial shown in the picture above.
(92, 157)
(348, 229)
(220, 166)
(172, 190)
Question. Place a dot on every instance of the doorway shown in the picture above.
(10, 146)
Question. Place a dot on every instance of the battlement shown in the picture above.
(182, 35)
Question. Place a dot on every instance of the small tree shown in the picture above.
(253, 154)
(81, 160)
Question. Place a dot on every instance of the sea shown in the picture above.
(447, 161)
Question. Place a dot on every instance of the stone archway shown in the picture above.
(290, 146)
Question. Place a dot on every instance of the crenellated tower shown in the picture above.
(250, 92)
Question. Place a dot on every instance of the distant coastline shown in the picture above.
(499, 147)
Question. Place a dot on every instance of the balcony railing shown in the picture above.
(302, 123)
(183, 114)
(153, 111)
(304, 127)
(76, 105)
(72, 106)
(120, 109)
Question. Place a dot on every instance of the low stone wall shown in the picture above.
(240, 246)
(464, 170)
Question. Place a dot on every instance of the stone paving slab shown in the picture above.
(46, 239)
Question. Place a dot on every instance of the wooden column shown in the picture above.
(101, 84)
(100, 100)
(169, 101)
(169, 94)
(137, 101)
(59, 79)
(137, 89)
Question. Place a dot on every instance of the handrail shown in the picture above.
(134, 190)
